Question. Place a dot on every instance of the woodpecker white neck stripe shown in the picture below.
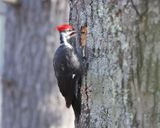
(64, 41)
(66, 44)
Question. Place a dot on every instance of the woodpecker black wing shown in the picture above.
(66, 62)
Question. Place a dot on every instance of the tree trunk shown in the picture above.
(122, 87)
(31, 98)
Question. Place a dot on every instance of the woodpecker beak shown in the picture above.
(72, 33)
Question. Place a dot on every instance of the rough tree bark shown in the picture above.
(122, 85)
(30, 95)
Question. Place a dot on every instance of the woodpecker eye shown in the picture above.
(70, 30)
(65, 31)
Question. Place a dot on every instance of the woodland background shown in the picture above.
(121, 88)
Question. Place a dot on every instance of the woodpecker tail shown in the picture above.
(76, 104)
(70, 89)
(76, 101)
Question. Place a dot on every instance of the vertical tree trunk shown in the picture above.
(122, 88)
(30, 95)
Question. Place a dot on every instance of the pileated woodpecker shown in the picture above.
(68, 69)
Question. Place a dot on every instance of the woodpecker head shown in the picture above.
(66, 31)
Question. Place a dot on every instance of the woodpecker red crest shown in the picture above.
(64, 27)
